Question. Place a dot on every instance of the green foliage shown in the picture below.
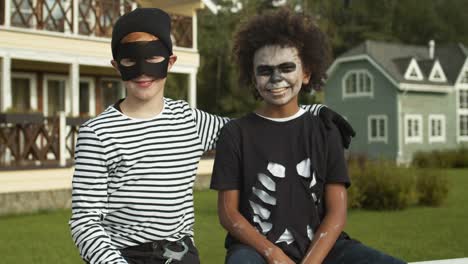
(457, 158)
(432, 186)
(405, 21)
(381, 185)
(175, 87)
(355, 193)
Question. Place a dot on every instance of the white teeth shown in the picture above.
(280, 90)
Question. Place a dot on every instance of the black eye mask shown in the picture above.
(138, 53)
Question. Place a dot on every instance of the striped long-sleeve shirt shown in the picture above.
(133, 178)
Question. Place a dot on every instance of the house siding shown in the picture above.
(357, 110)
(425, 104)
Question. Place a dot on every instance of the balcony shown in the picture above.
(81, 18)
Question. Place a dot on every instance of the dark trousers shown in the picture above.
(152, 253)
(345, 251)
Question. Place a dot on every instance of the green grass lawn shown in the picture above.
(415, 234)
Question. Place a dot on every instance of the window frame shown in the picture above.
(45, 90)
(412, 138)
(32, 87)
(438, 138)
(92, 95)
(378, 138)
(360, 90)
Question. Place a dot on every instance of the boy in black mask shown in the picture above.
(136, 162)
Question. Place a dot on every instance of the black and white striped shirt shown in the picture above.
(133, 178)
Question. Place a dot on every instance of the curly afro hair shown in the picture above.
(288, 29)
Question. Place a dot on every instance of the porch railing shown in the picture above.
(35, 141)
(81, 17)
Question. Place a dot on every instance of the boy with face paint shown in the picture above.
(281, 175)
(135, 163)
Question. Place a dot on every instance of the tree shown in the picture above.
(346, 22)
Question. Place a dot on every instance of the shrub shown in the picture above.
(355, 194)
(441, 159)
(432, 187)
(381, 185)
(461, 158)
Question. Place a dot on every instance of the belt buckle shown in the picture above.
(175, 255)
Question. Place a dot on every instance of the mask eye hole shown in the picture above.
(127, 62)
(155, 59)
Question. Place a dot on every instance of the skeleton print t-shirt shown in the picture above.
(280, 169)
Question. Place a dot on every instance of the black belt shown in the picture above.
(171, 250)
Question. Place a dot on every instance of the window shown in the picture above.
(358, 83)
(55, 94)
(436, 128)
(377, 128)
(464, 78)
(23, 91)
(464, 125)
(463, 99)
(413, 129)
(437, 74)
(87, 97)
(413, 72)
(22, 13)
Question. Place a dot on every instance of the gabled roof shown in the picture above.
(426, 66)
(394, 59)
(451, 58)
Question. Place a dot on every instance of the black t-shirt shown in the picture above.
(280, 169)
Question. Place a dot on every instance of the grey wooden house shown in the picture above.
(401, 98)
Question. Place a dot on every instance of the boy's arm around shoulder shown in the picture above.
(89, 201)
(208, 127)
(330, 117)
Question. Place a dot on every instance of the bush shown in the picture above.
(432, 187)
(355, 194)
(380, 185)
(441, 159)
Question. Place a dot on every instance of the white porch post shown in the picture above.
(192, 92)
(62, 138)
(75, 88)
(76, 13)
(6, 95)
(194, 31)
(7, 13)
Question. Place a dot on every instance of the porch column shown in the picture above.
(76, 13)
(6, 94)
(75, 88)
(192, 92)
(7, 15)
(194, 31)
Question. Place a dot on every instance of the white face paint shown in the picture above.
(278, 74)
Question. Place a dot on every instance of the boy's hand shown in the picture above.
(278, 257)
(329, 116)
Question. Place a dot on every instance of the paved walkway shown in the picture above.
(444, 261)
(56, 179)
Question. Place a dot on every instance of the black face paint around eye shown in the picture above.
(138, 53)
(269, 70)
